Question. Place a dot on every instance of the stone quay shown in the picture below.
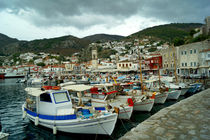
(188, 119)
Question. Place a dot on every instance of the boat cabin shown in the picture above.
(49, 102)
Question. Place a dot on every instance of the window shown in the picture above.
(119, 65)
(123, 65)
(195, 51)
(45, 97)
(182, 52)
(60, 97)
(183, 64)
(186, 64)
(194, 63)
(130, 65)
(185, 52)
(126, 65)
(190, 51)
(191, 64)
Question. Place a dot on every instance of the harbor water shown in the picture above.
(12, 96)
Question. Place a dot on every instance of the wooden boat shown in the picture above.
(54, 109)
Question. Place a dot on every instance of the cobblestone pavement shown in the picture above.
(188, 119)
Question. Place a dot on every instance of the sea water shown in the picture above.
(12, 96)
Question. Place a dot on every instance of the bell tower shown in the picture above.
(94, 58)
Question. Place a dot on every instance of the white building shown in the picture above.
(191, 59)
(205, 62)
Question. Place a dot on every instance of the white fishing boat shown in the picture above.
(174, 94)
(14, 74)
(184, 88)
(54, 109)
(36, 80)
(169, 82)
(104, 98)
(160, 98)
(142, 103)
(4, 136)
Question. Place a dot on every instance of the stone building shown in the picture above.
(205, 62)
(190, 60)
(170, 56)
(206, 30)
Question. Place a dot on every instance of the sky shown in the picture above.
(37, 19)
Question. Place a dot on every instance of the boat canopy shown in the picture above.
(34, 91)
(102, 85)
(67, 83)
(151, 81)
(77, 87)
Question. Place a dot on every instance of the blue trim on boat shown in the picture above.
(100, 108)
(51, 117)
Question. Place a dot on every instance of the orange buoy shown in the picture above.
(56, 87)
(47, 87)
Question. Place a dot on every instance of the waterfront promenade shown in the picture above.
(188, 119)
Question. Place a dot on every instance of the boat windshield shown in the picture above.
(61, 97)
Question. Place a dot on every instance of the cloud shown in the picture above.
(83, 13)
(82, 16)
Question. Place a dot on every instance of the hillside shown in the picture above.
(166, 32)
(5, 40)
(65, 45)
(103, 37)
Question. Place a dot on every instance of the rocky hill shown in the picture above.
(103, 37)
(65, 45)
(167, 32)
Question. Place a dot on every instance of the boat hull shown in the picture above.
(184, 91)
(174, 94)
(161, 98)
(100, 125)
(4, 136)
(145, 105)
(125, 112)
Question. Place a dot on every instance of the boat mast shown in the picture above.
(142, 89)
(159, 74)
(174, 50)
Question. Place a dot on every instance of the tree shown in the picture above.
(152, 49)
(178, 41)
(41, 64)
(31, 61)
(192, 32)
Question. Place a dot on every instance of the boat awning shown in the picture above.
(77, 87)
(67, 83)
(151, 81)
(103, 85)
(34, 91)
